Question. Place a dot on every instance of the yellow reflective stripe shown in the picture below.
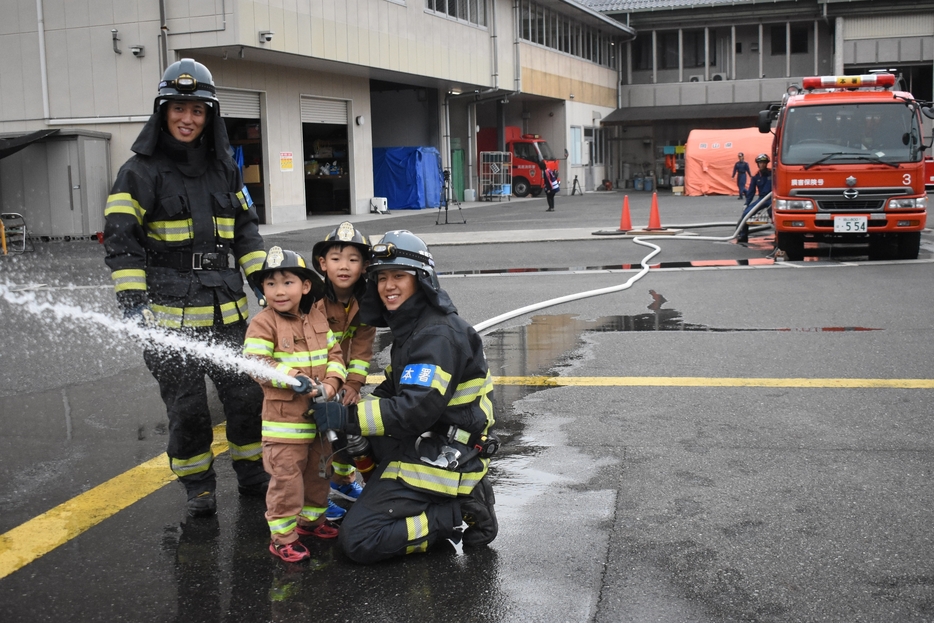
(289, 430)
(198, 316)
(244, 306)
(350, 332)
(224, 227)
(249, 452)
(230, 312)
(194, 465)
(252, 262)
(283, 525)
(441, 380)
(257, 346)
(282, 370)
(468, 391)
(371, 419)
(312, 513)
(336, 367)
(435, 479)
(170, 231)
(358, 366)
(342, 469)
(302, 358)
(124, 203)
(416, 530)
(170, 317)
(129, 279)
(243, 203)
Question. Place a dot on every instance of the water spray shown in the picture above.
(220, 355)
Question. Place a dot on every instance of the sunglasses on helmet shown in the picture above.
(388, 251)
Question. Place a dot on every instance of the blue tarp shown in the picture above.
(409, 177)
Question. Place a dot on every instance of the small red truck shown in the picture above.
(848, 166)
(527, 151)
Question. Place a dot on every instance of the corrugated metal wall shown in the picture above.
(889, 26)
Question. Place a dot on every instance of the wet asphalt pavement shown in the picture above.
(657, 499)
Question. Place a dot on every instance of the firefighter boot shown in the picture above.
(201, 503)
(252, 479)
(479, 515)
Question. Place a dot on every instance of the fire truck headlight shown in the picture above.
(916, 203)
(794, 204)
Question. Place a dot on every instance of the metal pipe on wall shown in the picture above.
(43, 63)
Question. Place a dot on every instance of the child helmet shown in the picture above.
(343, 234)
(277, 259)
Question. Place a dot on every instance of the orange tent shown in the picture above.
(709, 157)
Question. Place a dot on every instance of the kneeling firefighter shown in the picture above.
(428, 422)
(179, 227)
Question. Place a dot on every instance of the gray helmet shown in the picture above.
(187, 79)
(401, 250)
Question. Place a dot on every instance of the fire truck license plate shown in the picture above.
(849, 224)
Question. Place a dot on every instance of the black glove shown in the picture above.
(305, 385)
(260, 297)
(142, 315)
(333, 416)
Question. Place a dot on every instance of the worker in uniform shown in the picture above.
(740, 171)
(180, 226)
(428, 422)
(759, 186)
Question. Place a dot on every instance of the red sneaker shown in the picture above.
(321, 531)
(290, 552)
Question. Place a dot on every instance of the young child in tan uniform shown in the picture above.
(295, 339)
(342, 258)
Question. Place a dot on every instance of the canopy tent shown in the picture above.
(709, 156)
(409, 177)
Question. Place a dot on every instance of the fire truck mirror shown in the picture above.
(928, 111)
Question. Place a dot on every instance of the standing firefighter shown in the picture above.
(179, 226)
(428, 422)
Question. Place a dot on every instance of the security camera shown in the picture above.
(265, 36)
(138, 51)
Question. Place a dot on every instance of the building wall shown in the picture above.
(562, 76)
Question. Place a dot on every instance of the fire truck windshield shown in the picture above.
(545, 150)
(887, 133)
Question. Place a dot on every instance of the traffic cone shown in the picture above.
(625, 223)
(655, 222)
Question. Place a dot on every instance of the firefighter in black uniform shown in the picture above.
(177, 211)
(427, 423)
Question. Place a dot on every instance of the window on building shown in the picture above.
(694, 49)
(472, 11)
(642, 52)
(799, 39)
(550, 28)
(576, 141)
(739, 47)
(668, 50)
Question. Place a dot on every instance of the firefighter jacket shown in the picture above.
(293, 345)
(355, 338)
(761, 185)
(174, 215)
(438, 382)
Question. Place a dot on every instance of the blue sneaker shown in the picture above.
(334, 512)
(350, 492)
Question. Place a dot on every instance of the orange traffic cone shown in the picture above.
(655, 222)
(625, 223)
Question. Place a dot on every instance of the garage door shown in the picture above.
(238, 104)
(318, 110)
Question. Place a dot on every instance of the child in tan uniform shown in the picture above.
(295, 339)
(342, 258)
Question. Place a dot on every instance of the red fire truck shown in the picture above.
(527, 151)
(848, 166)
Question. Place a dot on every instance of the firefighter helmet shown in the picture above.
(402, 250)
(187, 79)
(277, 259)
(343, 234)
(762, 158)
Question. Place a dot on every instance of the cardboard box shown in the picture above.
(251, 174)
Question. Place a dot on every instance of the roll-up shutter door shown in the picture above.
(316, 110)
(239, 104)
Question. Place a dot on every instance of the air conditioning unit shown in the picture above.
(696, 78)
(717, 77)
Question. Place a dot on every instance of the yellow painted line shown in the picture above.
(698, 381)
(40, 535)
